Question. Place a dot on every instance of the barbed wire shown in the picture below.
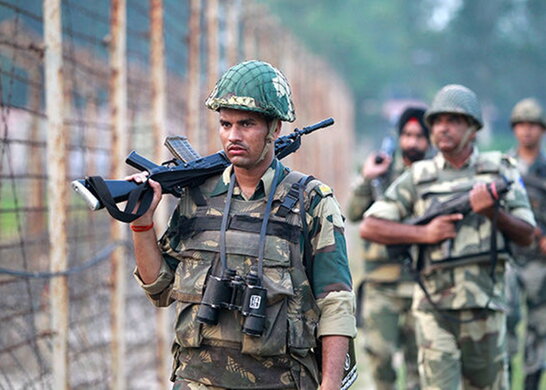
(22, 11)
(26, 342)
(101, 256)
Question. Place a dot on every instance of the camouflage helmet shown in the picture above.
(254, 86)
(455, 99)
(528, 110)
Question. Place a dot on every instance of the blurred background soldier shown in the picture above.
(388, 286)
(529, 123)
(459, 307)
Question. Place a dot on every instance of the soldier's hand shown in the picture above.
(371, 169)
(442, 228)
(481, 200)
(148, 217)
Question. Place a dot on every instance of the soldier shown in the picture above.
(239, 240)
(388, 287)
(459, 315)
(529, 123)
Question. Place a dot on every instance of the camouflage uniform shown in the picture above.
(388, 322)
(530, 277)
(297, 313)
(469, 353)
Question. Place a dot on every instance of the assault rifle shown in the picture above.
(458, 204)
(187, 169)
(388, 147)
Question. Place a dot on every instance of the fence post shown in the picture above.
(159, 126)
(57, 189)
(194, 74)
(212, 73)
(118, 102)
(35, 159)
(232, 31)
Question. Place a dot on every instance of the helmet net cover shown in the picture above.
(254, 86)
(528, 110)
(455, 99)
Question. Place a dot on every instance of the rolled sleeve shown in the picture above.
(158, 290)
(525, 215)
(359, 200)
(337, 314)
(383, 209)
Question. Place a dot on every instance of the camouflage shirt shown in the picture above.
(457, 272)
(182, 281)
(377, 265)
(534, 178)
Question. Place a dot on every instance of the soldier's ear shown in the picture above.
(275, 128)
(278, 128)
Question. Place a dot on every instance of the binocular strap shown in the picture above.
(263, 229)
(225, 219)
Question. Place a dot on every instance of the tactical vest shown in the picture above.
(292, 314)
(472, 243)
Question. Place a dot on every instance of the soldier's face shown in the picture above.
(448, 131)
(413, 142)
(528, 134)
(243, 136)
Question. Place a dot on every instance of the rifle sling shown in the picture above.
(142, 193)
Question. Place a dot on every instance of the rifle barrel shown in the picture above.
(316, 126)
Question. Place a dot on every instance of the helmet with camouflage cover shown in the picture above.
(455, 99)
(528, 110)
(254, 86)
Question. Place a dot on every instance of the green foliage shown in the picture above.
(410, 49)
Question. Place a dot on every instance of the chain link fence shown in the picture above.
(197, 41)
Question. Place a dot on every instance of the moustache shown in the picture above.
(236, 145)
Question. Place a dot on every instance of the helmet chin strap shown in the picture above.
(464, 141)
(269, 139)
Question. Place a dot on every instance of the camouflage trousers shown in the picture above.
(467, 353)
(389, 326)
(527, 286)
(186, 384)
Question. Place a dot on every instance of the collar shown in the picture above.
(513, 152)
(262, 189)
(442, 163)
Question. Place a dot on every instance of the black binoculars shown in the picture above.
(233, 292)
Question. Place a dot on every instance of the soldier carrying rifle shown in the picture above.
(387, 287)
(460, 319)
(254, 257)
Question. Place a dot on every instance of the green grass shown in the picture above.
(8, 221)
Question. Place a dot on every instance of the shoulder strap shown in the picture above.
(489, 162)
(424, 171)
(290, 200)
(307, 248)
(197, 196)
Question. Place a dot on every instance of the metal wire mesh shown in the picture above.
(26, 333)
